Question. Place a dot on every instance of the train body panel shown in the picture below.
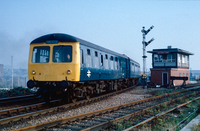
(98, 64)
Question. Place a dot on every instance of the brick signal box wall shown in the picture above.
(156, 76)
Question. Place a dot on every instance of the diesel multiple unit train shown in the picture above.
(64, 64)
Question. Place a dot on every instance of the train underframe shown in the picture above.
(72, 91)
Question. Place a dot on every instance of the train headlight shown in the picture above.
(68, 72)
(33, 72)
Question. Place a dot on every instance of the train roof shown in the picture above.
(59, 37)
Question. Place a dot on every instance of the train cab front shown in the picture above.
(53, 65)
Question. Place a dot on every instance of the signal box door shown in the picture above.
(164, 78)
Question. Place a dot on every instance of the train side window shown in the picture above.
(106, 56)
(132, 67)
(106, 62)
(116, 63)
(96, 60)
(88, 51)
(101, 60)
(111, 58)
(96, 54)
(111, 63)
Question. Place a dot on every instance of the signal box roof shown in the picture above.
(170, 50)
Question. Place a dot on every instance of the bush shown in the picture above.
(15, 92)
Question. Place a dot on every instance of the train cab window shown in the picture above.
(41, 54)
(62, 54)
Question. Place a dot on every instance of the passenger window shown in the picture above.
(106, 62)
(96, 60)
(111, 58)
(106, 56)
(88, 51)
(96, 54)
(101, 60)
(116, 63)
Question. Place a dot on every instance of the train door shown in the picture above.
(82, 62)
(101, 68)
(128, 68)
(123, 66)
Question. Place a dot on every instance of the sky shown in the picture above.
(113, 24)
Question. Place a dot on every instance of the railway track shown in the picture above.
(10, 116)
(161, 113)
(104, 119)
(16, 99)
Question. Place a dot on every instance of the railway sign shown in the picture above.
(88, 73)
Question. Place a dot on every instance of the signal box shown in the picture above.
(170, 67)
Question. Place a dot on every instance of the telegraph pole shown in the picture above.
(144, 33)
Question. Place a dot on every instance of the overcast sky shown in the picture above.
(113, 24)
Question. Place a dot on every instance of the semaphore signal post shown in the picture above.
(144, 33)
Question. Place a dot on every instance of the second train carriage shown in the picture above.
(66, 63)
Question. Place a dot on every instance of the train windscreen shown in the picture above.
(62, 54)
(41, 54)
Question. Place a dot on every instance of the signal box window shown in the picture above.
(41, 54)
(62, 54)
